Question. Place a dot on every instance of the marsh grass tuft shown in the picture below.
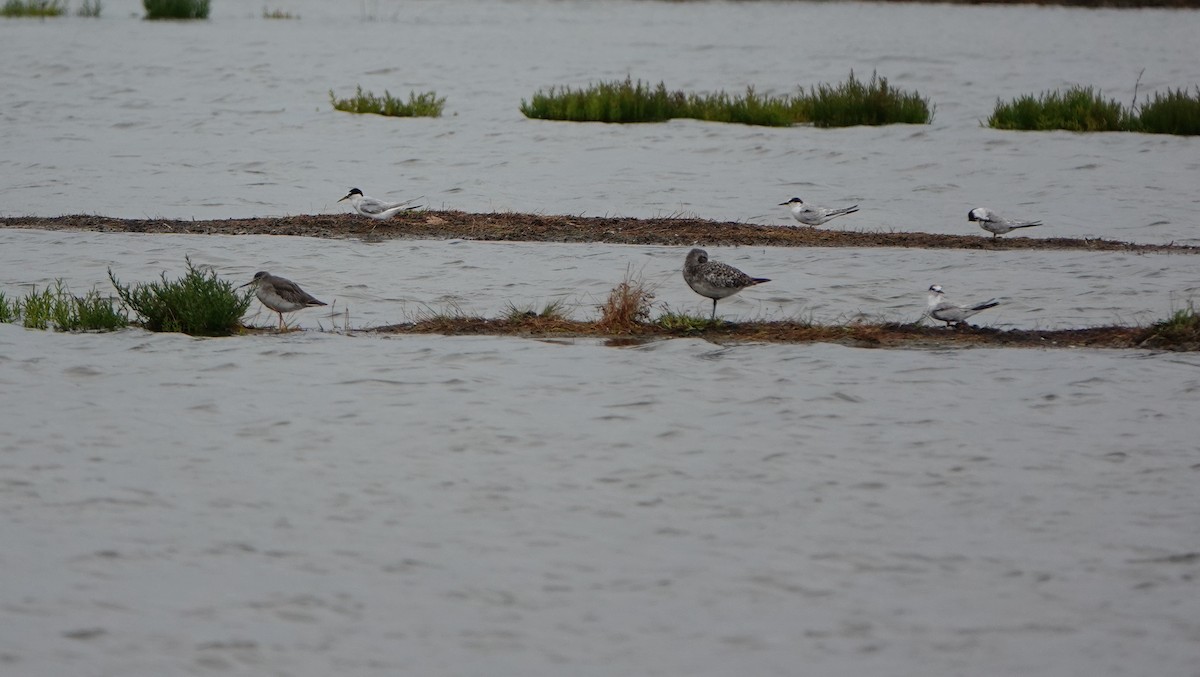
(1176, 112)
(56, 307)
(849, 103)
(426, 105)
(1181, 329)
(1084, 109)
(1079, 109)
(855, 102)
(553, 310)
(89, 8)
(627, 306)
(33, 8)
(198, 304)
(176, 9)
(8, 310)
(682, 323)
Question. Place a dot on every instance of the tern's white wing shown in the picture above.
(371, 206)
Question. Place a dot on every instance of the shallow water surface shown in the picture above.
(394, 281)
(339, 502)
(313, 503)
(105, 116)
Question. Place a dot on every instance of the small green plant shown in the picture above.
(8, 310)
(95, 313)
(198, 304)
(1176, 112)
(89, 8)
(1079, 109)
(57, 307)
(553, 310)
(426, 105)
(1182, 328)
(176, 9)
(35, 8)
(37, 308)
(682, 323)
(278, 14)
(849, 103)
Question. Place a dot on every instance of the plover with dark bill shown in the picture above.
(281, 294)
(713, 279)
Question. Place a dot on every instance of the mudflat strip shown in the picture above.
(555, 228)
(864, 335)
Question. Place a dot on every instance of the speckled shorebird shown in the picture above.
(713, 279)
(996, 224)
(812, 215)
(377, 209)
(941, 309)
(280, 294)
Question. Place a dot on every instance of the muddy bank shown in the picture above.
(858, 335)
(681, 232)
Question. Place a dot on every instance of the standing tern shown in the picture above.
(941, 309)
(713, 279)
(280, 294)
(377, 209)
(996, 224)
(812, 215)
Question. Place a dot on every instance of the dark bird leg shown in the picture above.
(714, 313)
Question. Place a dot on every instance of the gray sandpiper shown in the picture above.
(714, 279)
(281, 294)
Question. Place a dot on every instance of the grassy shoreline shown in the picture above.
(513, 227)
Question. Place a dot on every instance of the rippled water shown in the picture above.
(311, 503)
(382, 283)
(231, 118)
(317, 504)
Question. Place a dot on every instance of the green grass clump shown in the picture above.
(682, 323)
(176, 9)
(8, 310)
(607, 102)
(1181, 329)
(198, 304)
(89, 8)
(1079, 109)
(555, 309)
(629, 101)
(1084, 109)
(38, 8)
(849, 103)
(855, 102)
(56, 307)
(1175, 112)
(426, 105)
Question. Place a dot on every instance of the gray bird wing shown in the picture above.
(292, 292)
